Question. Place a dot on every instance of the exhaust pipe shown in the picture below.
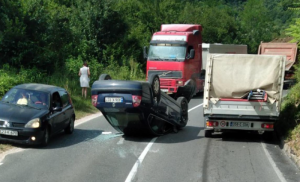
(260, 132)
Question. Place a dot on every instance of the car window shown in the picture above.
(10, 96)
(64, 98)
(56, 100)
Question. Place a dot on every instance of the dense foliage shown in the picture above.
(46, 33)
(48, 40)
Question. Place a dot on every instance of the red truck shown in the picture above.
(175, 54)
(287, 49)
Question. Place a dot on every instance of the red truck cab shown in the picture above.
(175, 54)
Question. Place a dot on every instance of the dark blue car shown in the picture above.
(139, 106)
(30, 113)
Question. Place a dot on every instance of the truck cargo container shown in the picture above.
(287, 49)
(243, 92)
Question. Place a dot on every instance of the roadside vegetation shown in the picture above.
(47, 41)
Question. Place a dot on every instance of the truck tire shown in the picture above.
(208, 133)
(104, 77)
(182, 101)
(155, 86)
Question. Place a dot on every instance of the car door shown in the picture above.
(67, 108)
(57, 114)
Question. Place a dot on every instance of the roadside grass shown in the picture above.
(288, 125)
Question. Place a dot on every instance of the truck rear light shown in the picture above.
(267, 125)
(94, 100)
(212, 123)
(136, 100)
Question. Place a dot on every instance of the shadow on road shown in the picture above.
(243, 136)
(62, 140)
(186, 134)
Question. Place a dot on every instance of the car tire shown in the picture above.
(155, 86)
(104, 77)
(193, 89)
(70, 128)
(208, 133)
(46, 137)
(183, 102)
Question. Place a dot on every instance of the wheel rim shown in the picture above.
(156, 85)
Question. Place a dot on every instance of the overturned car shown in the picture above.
(133, 107)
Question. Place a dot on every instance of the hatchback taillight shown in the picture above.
(136, 100)
(94, 100)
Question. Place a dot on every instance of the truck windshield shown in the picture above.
(167, 52)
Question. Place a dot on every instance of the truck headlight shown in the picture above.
(34, 123)
(180, 82)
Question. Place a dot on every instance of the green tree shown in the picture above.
(256, 24)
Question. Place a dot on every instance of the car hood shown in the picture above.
(19, 114)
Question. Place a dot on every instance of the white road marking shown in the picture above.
(134, 169)
(279, 174)
(139, 161)
(195, 107)
(11, 151)
(106, 133)
(88, 118)
(121, 141)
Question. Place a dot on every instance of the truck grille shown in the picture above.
(165, 82)
(166, 73)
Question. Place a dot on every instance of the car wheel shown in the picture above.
(46, 137)
(155, 85)
(182, 101)
(70, 128)
(104, 77)
(208, 133)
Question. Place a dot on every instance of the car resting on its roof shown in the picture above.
(135, 107)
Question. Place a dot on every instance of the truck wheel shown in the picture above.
(104, 77)
(208, 133)
(182, 101)
(155, 85)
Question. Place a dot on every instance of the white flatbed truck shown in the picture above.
(242, 92)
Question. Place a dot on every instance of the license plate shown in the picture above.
(113, 99)
(164, 90)
(239, 124)
(8, 132)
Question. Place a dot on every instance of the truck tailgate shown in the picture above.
(242, 108)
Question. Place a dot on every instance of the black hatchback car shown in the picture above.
(31, 113)
(135, 107)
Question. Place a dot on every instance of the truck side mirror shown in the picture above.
(145, 52)
(192, 54)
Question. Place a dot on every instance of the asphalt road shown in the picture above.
(96, 152)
